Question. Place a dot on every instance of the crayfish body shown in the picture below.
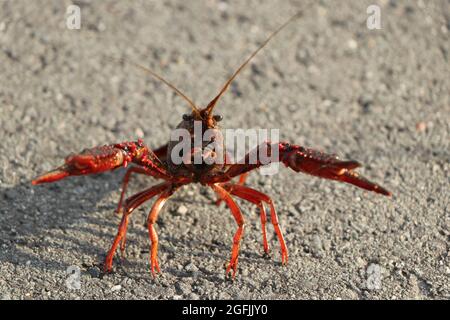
(212, 169)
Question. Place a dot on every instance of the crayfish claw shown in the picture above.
(94, 160)
(347, 165)
(52, 176)
(358, 180)
(329, 166)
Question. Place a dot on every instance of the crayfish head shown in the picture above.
(197, 145)
(209, 120)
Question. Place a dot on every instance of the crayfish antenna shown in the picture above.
(213, 102)
(51, 176)
(157, 76)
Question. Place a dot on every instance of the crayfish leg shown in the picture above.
(237, 214)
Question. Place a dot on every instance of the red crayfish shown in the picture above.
(216, 175)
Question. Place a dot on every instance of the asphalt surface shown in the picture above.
(377, 96)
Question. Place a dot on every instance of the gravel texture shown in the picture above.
(327, 81)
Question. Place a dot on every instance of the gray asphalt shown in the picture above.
(377, 96)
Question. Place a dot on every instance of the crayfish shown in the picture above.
(217, 175)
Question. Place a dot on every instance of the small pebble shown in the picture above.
(116, 288)
(139, 132)
(421, 126)
(6, 296)
(352, 44)
(223, 6)
(94, 272)
(101, 26)
(191, 267)
(193, 296)
(182, 210)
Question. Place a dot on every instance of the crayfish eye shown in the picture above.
(217, 118)
(187, 117)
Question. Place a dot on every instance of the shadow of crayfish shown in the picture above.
(28, 214)
(37, 219)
